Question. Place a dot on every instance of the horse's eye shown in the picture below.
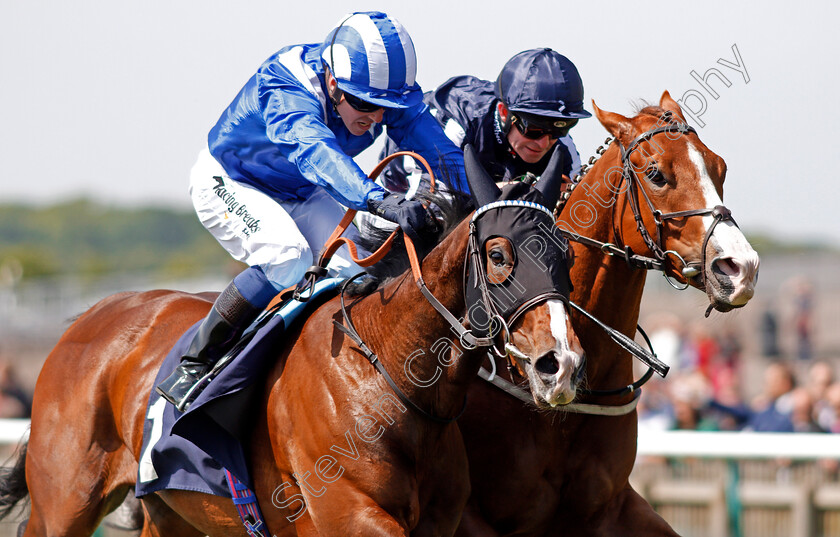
(496, 257)
(657, 179)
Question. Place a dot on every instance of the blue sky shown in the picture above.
(113, 100)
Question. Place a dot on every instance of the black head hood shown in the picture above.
(519, 213)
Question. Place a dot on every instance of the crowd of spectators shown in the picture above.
(15, 398)
(706, 387)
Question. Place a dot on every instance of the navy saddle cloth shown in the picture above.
(191, 450)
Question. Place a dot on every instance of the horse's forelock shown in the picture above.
(647, 109)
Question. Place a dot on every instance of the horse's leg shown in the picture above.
(447, 497)
(472, 523)
(370, 521)
(160, 520)
(76, 475)
(207, 514)
(128, 516)
(67, 519)
(89, 405)
(72, 492)
(629, 515)
(347, 512)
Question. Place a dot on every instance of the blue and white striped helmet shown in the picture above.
(372, 57)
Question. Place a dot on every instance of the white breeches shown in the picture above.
(281, 237)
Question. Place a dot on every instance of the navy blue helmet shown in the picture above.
(542, 82)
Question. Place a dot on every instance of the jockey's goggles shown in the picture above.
(360, 105)
(535, 127)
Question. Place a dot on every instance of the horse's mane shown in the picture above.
(640, 107)
(449, 212)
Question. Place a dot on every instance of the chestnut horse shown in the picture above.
(382, 465)
(544, 473)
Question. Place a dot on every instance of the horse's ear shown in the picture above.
(482, 187)
(552, 178)
(617, 125)
(669, 104)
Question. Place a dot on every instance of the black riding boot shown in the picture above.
(230, 315)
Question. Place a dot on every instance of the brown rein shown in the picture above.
(336, 240)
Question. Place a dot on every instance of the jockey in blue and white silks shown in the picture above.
(278, 172)
(515, 124)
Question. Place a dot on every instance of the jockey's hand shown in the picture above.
(410, 215)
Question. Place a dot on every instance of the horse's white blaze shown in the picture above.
(557, 312)
(567, 359)
(727, 239)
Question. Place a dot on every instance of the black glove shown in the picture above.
(410, 215)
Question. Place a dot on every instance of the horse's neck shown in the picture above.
(604, 285)
(413, 340)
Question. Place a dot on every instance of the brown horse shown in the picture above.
(545, 473)
(333, 451)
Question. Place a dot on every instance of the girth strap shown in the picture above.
(246, 505)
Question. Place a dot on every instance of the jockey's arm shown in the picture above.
(415, 129)
(294, 123)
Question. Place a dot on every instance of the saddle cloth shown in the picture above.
(191, 450)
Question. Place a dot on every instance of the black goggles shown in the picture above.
(359, 105)
(535, 129)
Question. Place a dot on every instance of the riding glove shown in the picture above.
(410, 215)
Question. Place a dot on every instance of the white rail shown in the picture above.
(739, 445)
(13, 431)
(715, 445)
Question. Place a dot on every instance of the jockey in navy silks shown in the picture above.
(278, 171)
(515, 124)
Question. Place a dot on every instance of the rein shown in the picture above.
(467, 339)
(658, 262)
(336, 241)
(634, 388)
(575, 408)
(648, 358)
(635, 261)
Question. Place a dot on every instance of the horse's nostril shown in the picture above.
(547, 364)
(726, 267)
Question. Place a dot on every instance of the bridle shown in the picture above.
(719, 213)
(658, 261)
(634, 388)
(660, 255)
(649, 358)
(469, 338)
(654, 364)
